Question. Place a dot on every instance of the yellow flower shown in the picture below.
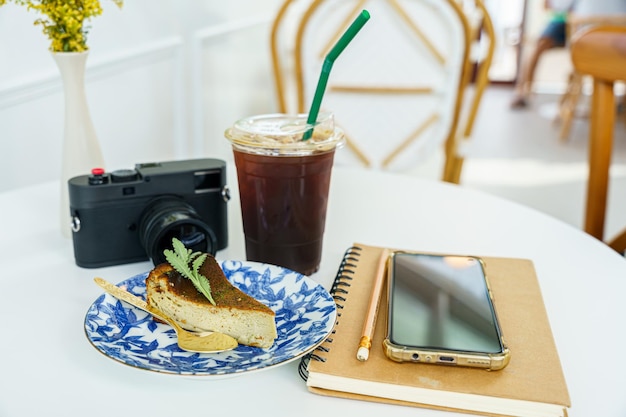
(64, 21)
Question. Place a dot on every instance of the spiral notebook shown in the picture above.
(532, 384)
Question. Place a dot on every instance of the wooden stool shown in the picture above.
(601, 53)
(569, 100)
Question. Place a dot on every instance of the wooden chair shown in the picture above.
(396, 90)
(483, 41)
(600, 52)
(282, 46)
(570, 99)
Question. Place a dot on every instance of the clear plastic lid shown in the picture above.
(282, 134)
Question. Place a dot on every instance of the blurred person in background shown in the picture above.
(555, 35)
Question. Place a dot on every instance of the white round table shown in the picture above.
(49, 368)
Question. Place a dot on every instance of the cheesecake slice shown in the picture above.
(234, 313)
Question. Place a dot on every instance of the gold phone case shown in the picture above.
(487, 361)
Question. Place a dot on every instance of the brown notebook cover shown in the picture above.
(534, 375)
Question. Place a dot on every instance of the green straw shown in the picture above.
(329, 60)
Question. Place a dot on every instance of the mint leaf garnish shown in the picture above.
(188, 265)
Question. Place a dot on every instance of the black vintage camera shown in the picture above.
(131, 215)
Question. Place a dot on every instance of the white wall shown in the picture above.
(165, 78)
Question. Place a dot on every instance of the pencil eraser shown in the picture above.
(362, 354)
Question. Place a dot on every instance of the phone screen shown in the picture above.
(441, 303)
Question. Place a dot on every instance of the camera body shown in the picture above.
(131, 215)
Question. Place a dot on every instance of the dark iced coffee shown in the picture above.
(283, 187)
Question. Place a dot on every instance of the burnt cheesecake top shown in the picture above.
(223, 292)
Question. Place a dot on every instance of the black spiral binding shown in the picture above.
(339, 290)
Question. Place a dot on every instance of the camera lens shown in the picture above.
(171, 217)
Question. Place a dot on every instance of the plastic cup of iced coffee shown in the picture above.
(283, 186)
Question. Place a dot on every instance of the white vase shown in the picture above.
(81, 148)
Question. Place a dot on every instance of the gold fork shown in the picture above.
(193, 342)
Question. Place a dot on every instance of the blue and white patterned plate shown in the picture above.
(305, 314)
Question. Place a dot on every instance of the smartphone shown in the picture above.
(441, 312)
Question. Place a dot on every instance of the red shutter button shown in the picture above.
(97, 177)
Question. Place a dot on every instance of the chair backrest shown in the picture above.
(282, 45)
(483, 43)
(600, 51)
(397, 89)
